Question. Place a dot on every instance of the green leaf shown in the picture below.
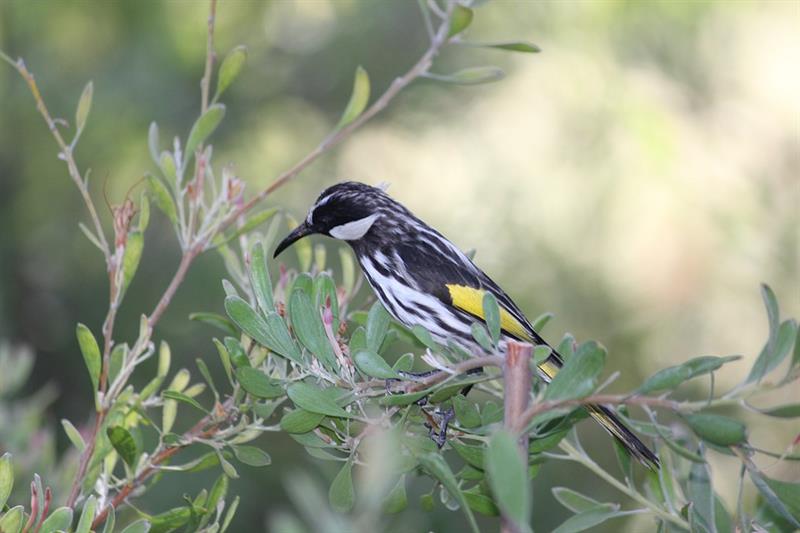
(255, 382)
(424, 336)
(341, 495)
(60, 519)
(249, 225)
(91, 356)
(358, 99)
(131, 258)
(788, 493)
(402, 399)
(271, 333)
(466, 412)
(774, 352)
(168, 168)
(671, 377)
(371, 364)
(573, 500)
(472, 455)
(578, 377)
(162, 198)
(11, 521)
(307, 325)
(588, 519)
(508, 479)
(783, 411)
(6, 478)
(782, 497)
(717, 429)
(259, 278)
(397, 499)
(513, 46)
(216, 320)
(204, 127)
(439, 469)
(144, 211)
(87, 515)
(377, 326)
(300, 421)
(470, 76)
(701, 494)
(225, 358)
(229, 515)
(124, 443)
(324, 295)
(313, 399)
(491, 312)
(219, 491)
(482, 337)
(74, 436)
(170, 520)
(230, 68)
(404, 363)
(140, 526)
(152, 141)
(84, 106)
(237, 353)
(251, 455)
(481, 503)
(460, 19)
(181, 397)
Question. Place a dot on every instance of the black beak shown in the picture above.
(297, 233)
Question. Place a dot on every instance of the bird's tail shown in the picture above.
(609, 421)
(624, 436)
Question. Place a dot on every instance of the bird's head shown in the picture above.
(345, 211)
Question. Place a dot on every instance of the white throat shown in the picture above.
(355, 229)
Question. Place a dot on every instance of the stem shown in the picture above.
(68, 157)
(195, 433)
(517, 381)
(420, 68)
(211, 55)
(575, 455)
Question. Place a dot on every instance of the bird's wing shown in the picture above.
(458, 282)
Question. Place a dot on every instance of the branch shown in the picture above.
(420, 68)
(65, 154)
(597, 399)
(198, 431)
(517, 381)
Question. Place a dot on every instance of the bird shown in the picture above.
(423, 279)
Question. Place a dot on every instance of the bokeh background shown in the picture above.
(638, 178)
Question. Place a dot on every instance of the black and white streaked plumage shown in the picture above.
(423, 279)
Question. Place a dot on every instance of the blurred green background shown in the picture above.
(639, 178)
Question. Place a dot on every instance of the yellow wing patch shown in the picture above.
(470, 300)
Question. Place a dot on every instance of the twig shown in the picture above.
(198, 431)
(211, 55)
(420, 68)
(597, 399)
(574, 454)
(66, 153)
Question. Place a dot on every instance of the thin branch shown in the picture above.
(597, 399)
(211, 55)
(575, 455)
(65, 154)
(421, 67)
(198, 431)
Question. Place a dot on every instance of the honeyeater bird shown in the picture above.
(423, 279)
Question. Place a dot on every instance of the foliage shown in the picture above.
(298, 359)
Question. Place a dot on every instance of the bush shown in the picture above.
(300, 357)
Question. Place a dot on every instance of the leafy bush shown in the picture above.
(300, 357)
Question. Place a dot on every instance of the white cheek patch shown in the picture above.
(355, 229)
